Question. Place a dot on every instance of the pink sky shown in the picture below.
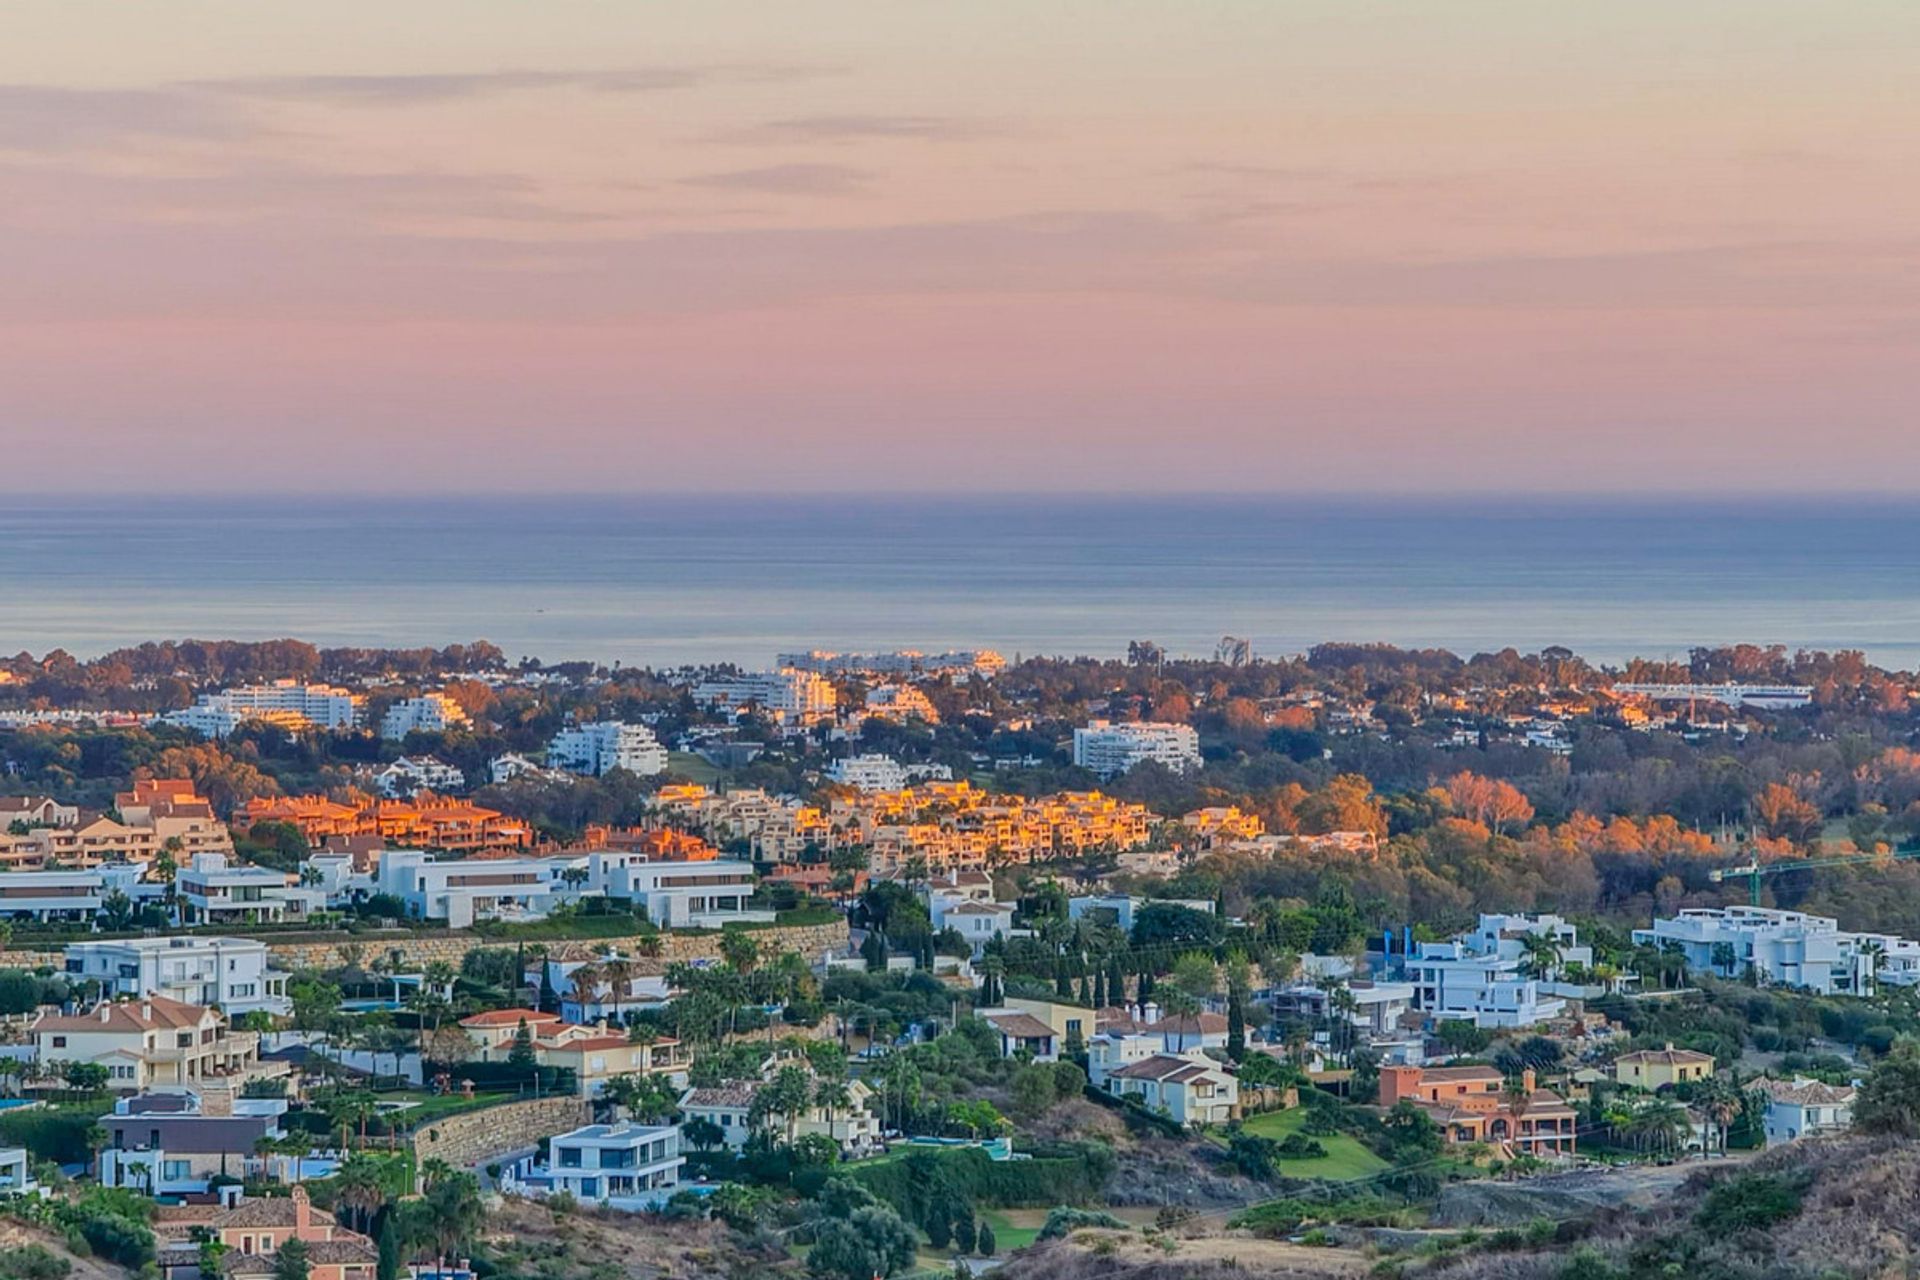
(1266, 244)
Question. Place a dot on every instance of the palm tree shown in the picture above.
(618, 971)
(585, 981)
(1540, 956)
(362, 1189)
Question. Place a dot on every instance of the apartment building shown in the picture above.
(600, 748)
(151, 1043)
(1780, 948)
(870, 772)
(1493, 976)
(66, 896)
(786, 696)
(410, 775)
(37, 811)
(423, 822)
(156, 817)
(213, 889)
(236, 974)
(427, 713)
(901, 702)
(284, 702)
(1222, 824)
(1106, 748)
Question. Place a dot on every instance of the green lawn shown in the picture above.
(692, 767)
(1009, 1235)
(1345, 1157)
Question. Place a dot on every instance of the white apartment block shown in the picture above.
(1107, 749)
(285, 702)
(871, 772)
(409, 775)
(962, 663)
(1781, 948)
(600, 748)
(428, 713)
(235, 974)
(67, 896)
(785, 696)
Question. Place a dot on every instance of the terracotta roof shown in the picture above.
(726, 1097)
(1670, 1056)
(1021, 1026)
(262, 1211)
(1165, 1067)
(128, 1015)
(1458, 1075)
(509, 1018)
(1807, 1093)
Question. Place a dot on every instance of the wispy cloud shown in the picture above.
(429, 87)
(788, 179)
(48, 118)
(849, 128)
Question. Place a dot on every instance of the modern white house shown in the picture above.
(1122, 909)
(1806, 1108)
(428, 713)
(1107, 748)
(174, 1144)
(977, 922)
(729, 1108)
(786, 696)
(703, 895)
(1780, 948)
(602, 747)
(16, 1174)
(213, 889)
(624, 1166)
(462, 891)
(234, 974)
(1492, 976)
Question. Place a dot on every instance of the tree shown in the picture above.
(871, 1242)
(522, 1056)
(290, 1260)
(363, 1189)
(985, 1244)
(787, 1095)
(388, 1266)
(1889, 1099)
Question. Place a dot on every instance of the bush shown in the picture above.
(58, 1134)
(1064, 1220)
(1747, 1202)
(33, 1262)
(910, 1183)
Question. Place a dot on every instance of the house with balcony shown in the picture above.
(623, 1166)
(151, 1043)
(729, 1107)
(234, 974)
(253, 1230)
(1474, 1104)
(595, 1054)
(214, 889)
(1189, 1088)
(177, 1144)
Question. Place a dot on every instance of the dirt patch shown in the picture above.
(1112, 1255)
(530, 1239)
(1079, 1119)
(1159, 1171)
(14, 1234)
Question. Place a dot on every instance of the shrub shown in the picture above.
(1064, 1220)
(33, 1262)
(1750, 1201)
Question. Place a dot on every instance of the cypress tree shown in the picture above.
(388, 1267)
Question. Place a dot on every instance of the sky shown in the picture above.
(1286, 246)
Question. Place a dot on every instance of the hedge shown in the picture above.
(58, 1134)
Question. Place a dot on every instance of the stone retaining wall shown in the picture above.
(416, 951)
(476, 1137)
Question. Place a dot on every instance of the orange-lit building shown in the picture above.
(425, 822)
(1472, 1104)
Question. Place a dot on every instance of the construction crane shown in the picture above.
(1753, 870)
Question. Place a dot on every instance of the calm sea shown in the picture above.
(670, 580)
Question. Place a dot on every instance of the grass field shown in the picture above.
(1345, 1157)
(1013, 1228)
(692, 767)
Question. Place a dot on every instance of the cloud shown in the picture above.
(429, 87)
(46, 118)
(788, 179)
(847, 128)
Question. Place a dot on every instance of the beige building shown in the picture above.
(1654, 1069)
(149, 1043)
(594, 1054)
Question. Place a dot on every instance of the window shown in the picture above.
(59, 1042)
(174, 1169)
(570, 1157)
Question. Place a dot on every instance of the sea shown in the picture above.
(666, 581)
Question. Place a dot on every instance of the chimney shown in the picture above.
(216, 1100)
(302, 1211)
(106, 1011)
(1526, 1080)
(1399, 1082)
